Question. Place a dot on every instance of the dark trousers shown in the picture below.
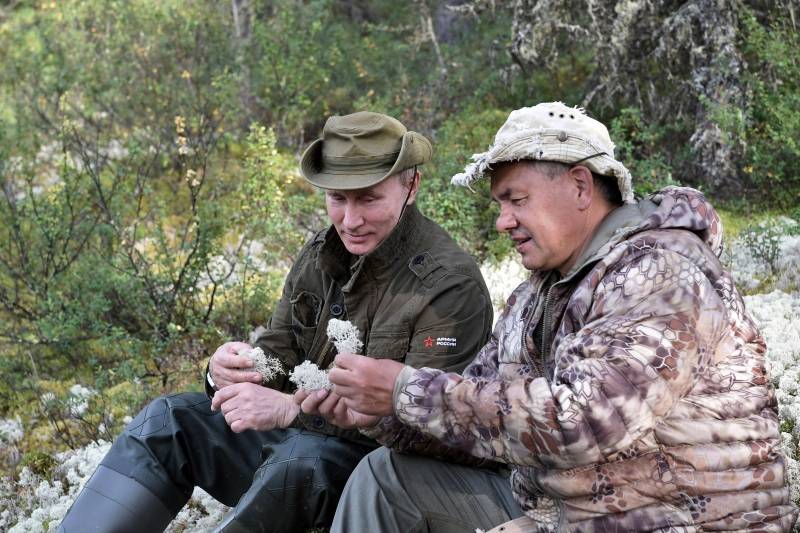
(281, 480)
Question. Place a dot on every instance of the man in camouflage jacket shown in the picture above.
(414, 296)
(625, 385)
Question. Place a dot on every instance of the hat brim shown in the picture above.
(415, 150)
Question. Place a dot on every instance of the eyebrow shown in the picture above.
(504, 195)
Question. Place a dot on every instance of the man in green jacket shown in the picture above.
(414, 295)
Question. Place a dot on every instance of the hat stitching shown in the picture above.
(364, 157)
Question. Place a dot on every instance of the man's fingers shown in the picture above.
(226, 369)
(230, 360)
(327, 405)
(223, 395)
(346, 391)
(311, 404)
(239, 347)
(231, 417)
(341, 377)
(299, 396)
(348, 360)
(340, 412)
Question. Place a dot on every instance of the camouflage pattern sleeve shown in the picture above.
(653, 321)
(393, 433)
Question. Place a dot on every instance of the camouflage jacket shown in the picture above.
(417, 298)
(630, 395)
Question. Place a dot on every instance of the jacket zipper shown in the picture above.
(546, 325)
(528, 325)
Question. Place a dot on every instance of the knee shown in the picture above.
(162, 414)
(298, 474)
(376, 465)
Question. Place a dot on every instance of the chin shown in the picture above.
(359, 249)
(531, 263)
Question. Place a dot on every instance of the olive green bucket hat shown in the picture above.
(362, 149)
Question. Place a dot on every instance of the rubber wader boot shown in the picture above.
(113, 503)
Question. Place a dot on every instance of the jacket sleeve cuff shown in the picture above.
(210, 387)
(401, 382)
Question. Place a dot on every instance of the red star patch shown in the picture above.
(429, 342)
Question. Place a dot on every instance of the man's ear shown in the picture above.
(584, 186)
(414, 188)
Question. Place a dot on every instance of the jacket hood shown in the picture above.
(686, 208)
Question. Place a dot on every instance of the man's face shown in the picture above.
(541, 215)
(363, 218)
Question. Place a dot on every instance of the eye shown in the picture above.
(518, 201)
(333, 197)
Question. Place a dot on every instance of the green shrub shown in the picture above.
(640, 147)
(40, 463)
(769, 127)
(468, 215)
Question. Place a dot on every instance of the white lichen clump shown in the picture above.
(308, 376)
(34, 504)
(345, 336)
(268, 366)
(11, 431)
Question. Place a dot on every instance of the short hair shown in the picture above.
(406, 176)
(607, 185)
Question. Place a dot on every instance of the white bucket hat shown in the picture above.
(551, 132)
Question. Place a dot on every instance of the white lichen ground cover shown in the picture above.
(33, 504)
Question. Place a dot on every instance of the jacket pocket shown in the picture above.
(306, 308)
(387, 346)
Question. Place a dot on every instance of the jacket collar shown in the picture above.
(346, 268)
(616, 226)
(613, 228)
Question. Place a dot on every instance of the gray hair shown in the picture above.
(406, 176)
(607, 185)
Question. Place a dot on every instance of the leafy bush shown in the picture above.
(467, 214)
(639, 145)
(763, 241)
(769, 128)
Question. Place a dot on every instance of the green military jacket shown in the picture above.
(418, 298)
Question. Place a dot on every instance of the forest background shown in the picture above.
(151, 200)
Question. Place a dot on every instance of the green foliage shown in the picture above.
(151, 198)
(769, 129)
(639, 145)
(467, 214)
(763, 242)
(40, 463)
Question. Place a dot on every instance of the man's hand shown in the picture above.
(228, 368)
(251, 406)
(366, 384)
(331, 406)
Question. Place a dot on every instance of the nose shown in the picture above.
(352, 217)
(505, 221)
